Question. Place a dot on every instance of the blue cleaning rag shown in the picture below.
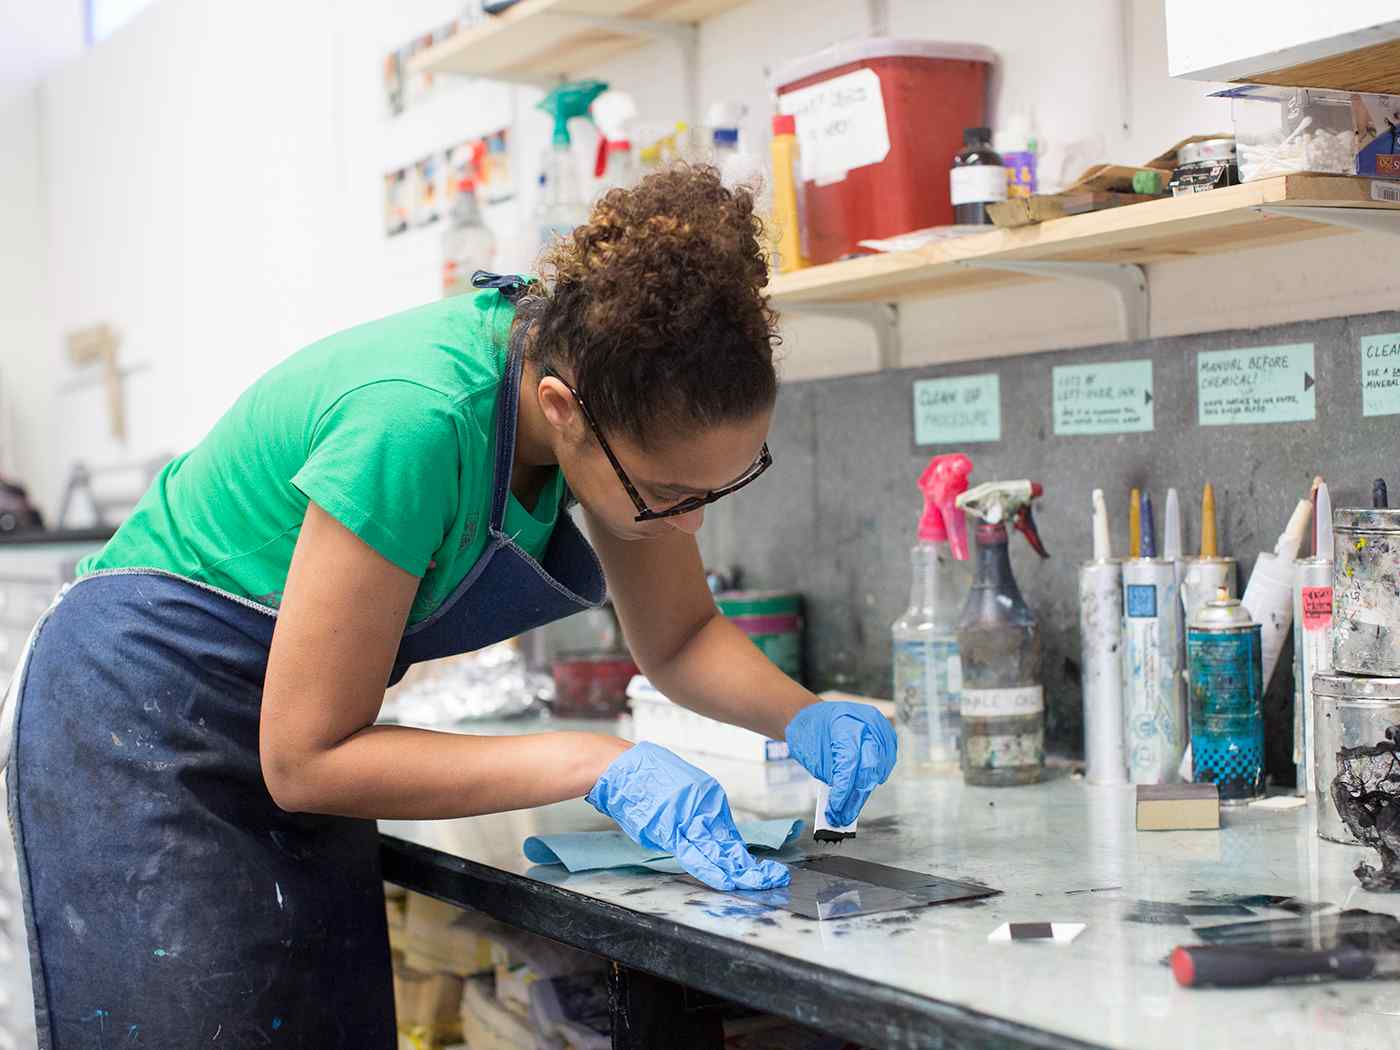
(594, 850)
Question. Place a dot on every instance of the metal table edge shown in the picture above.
(817, 996)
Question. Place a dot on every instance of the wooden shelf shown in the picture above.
(540, 39)
(1374, 68)
(1224, 220)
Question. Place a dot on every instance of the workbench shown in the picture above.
(1060, 851)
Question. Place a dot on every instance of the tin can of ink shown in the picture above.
(1101, 651)
(1352, 754)
(1224, 652)
(1312, 654)
(1154, 709)
(1365, 605)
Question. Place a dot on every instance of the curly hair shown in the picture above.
(655, 306)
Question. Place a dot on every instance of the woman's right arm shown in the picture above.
(342, 615)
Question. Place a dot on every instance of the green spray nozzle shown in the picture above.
(570, 99)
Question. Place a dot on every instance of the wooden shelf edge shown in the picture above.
(1115, 231)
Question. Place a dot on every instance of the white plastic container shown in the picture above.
(1285, 130)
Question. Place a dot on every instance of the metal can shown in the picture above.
(1224, 655)
(1154, 712)
(773, 621)
(1101, 641)
(1352, 715)
(1365, 603)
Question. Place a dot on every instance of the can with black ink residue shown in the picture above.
(1366, 591)
(1224, 656)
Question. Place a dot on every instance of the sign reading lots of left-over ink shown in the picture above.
(1110, 398)
(957, 411)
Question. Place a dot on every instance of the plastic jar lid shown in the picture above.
(871, 48)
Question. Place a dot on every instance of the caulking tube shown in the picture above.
(1153, 698)
(1101, 641)
(1171, 550)
(1269, 595)
(1202, 576)
(1312, 642)
(1135, 523)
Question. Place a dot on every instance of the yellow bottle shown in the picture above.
(785, 236)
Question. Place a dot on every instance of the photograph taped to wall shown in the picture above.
(428, 190)
(396, 202)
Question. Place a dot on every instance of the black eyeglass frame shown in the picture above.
(685, 506)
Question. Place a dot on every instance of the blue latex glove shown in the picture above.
(664, 803)
(851, 747)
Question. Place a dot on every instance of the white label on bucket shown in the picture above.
(998, 703)
(840, 125)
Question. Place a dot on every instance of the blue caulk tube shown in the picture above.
(1154, 707)
(1101, 645)
(1227, 699)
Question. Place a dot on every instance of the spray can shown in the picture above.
(1154, 709)
(1312, 638)
(927, 668)
(1101, 643)
(1003, 698)
(1225, 657)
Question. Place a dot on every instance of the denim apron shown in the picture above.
(169, 901)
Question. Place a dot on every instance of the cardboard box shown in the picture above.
(1178, 807)
(438, 937)
(426, 999)
(487, 1024)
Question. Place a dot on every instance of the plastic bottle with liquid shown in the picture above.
(468, 244)
(978, 178)
(927, 666)
(1003, 695)
(563, 206)
(788, 233)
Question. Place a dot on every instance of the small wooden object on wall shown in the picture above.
(1178, 807)
(98, 346)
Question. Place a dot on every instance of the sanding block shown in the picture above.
(1178, 807)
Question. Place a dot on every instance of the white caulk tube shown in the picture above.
(1312, 642)
(1269, 594)
(1101, 644)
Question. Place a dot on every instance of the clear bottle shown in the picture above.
(978, 178)
(468, 244)
(1003, 697)
(927, 665)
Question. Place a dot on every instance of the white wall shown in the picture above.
(212, 189)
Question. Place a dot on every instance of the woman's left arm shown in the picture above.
(690, 652)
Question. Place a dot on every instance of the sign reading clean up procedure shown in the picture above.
(958, 410)
(1271, 384)
(1380, 375)
(1111, 398)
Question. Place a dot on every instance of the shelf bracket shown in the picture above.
(883, 318)
(1127, 280)
(1368, 220)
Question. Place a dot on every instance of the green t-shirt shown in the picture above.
(389, 427)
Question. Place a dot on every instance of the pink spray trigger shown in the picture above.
(942, 482)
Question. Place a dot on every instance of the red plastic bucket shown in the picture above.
(878, 123)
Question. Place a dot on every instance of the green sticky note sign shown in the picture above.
(957, 411)
(1111, 398)
(1270, 384)
(1380, 375)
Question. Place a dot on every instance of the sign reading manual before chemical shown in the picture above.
(1270, 384)
(957, 411)
(1111, 398)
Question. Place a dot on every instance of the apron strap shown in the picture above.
(506, 406)
(512, 286)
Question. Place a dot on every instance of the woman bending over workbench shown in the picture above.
(196, 768)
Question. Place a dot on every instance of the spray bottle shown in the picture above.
(468, 244)
(927, 669)
(616, 163)
(562, 207)
(1003, 697)
(1268, 597)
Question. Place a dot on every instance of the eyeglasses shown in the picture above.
(685, 506)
